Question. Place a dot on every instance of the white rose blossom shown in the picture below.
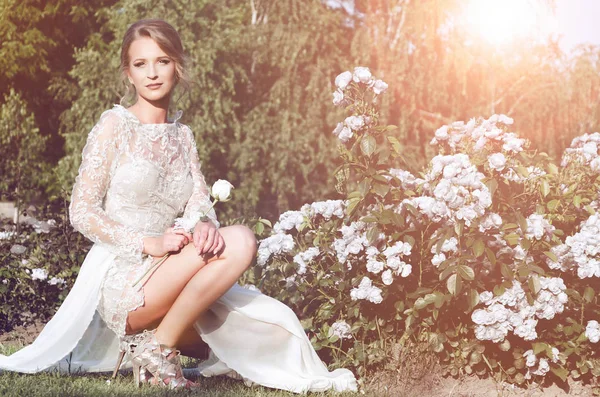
(39, 274)
(379, 86)
(362, 75)
(338, 97)
(592, 331)
(276, 244)
(497, 161)
(221, 190)
(343, 79)
(355, 123)
(580, 251)
(302, 259)
(366, 291)
(341, 329)
(512, 312)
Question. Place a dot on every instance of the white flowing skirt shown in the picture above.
(249, 334)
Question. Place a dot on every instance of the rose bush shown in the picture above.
(491, 255)
(38, 267)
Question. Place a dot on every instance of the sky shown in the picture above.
(578, 21)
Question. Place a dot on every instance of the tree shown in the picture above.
(37, 42)
(262, 71)
(21, 146)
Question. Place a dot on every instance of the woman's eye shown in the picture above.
(137, 65)
(165, 61)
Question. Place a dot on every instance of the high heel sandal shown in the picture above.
(127, 346)
(159, 361)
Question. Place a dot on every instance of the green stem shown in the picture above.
(159, 262)
(337, 349)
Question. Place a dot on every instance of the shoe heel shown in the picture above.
(119, 362)
(136, 374)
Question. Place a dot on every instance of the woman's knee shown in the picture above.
(244, 243)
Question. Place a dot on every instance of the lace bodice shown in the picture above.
(134, 180)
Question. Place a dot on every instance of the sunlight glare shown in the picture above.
(503, 21)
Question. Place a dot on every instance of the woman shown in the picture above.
(139, 171)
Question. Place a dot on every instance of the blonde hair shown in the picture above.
(167, 39)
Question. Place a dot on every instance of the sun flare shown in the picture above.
(504, 21)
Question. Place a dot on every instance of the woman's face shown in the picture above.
(151, 70)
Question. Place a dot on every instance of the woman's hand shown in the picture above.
(207, 238)
(172, 240)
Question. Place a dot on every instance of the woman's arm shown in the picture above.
(199, 201)
(85, 211)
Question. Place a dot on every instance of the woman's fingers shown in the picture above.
(200, 236)
(209, 240)
(188, 236)
(213, 248)
(175, 242)
(220, 244)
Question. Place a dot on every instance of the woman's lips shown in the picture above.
(154, 86)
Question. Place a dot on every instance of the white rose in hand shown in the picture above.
(221, 190)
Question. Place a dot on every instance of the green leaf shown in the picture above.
(454, 284)
(396, 145)
(544, 187)
(522, 222)
(492, 185)
(466, 273)
(473, 299)
(506, 272)
(259, 228)
(509, 226)
(380, 189)
(367, 145)
(538, 347)
(372, 235)
(551, 255)
(561, 372)
(364, 186)
(446, 272)
(588, 294)
(265, 221)
(478, 247)
(352, 203)
(534, 283)
(512, 239)
(553, 204)
(490, 255)
(577, 201)
(458, 228)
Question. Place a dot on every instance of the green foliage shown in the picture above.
(38, 41)
(58, 252)
(21, 146)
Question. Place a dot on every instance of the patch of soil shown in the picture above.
(414, 372)
(22, 335)
(433, 384)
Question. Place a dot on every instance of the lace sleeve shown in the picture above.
(199, 201)
(85, 211)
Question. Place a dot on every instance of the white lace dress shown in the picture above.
(135, 179)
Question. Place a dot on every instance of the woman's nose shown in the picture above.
(151, 71)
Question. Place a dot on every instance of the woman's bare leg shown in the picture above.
(192, 345)
(186, 284)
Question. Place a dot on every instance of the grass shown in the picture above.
(53, 384)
